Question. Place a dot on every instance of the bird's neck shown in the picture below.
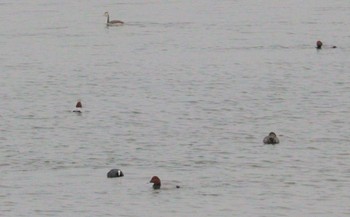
(108, 19)
(156, 186)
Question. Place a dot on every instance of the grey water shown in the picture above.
(185, 90)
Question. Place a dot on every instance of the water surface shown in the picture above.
(185, 90)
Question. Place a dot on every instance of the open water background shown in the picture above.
(185, 90)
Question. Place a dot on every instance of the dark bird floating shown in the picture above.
(271, 139)
(114, 173)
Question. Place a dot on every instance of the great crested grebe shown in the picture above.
(113, 22)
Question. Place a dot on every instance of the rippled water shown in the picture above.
(185, 90)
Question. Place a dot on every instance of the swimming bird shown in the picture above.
(113, 22)
(113, 173)
(78, 107)
(271, 139)
(156, 182)
(319, 44)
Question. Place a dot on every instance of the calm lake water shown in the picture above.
(185, 90)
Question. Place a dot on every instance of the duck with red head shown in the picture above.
(319, 44)
(156, 182)
(78, 107)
